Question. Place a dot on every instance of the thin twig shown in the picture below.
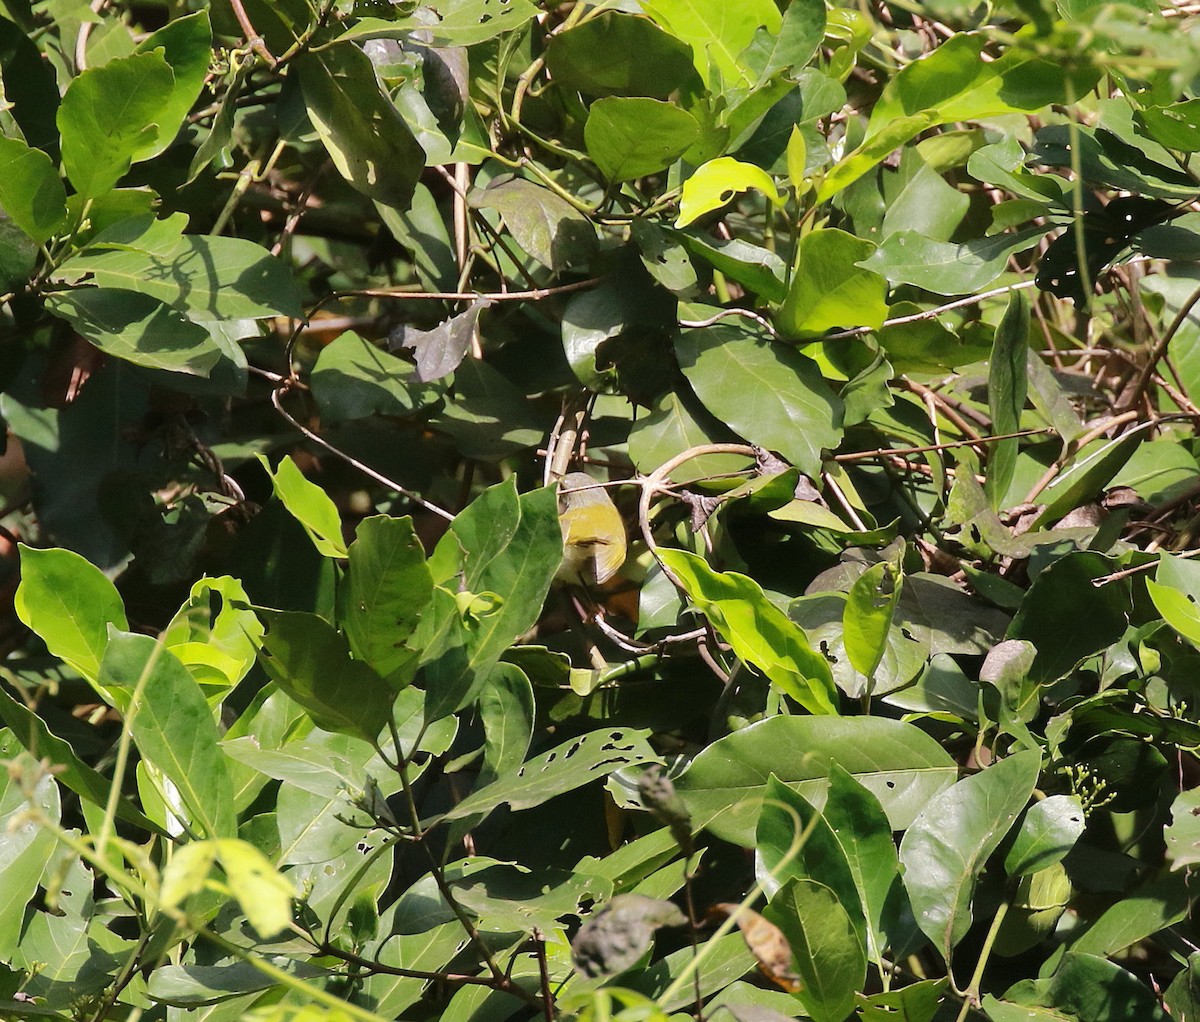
(695, 324)
(919, 317)
(887, 452)
(253, 39)
(532, 295)
(416, 498)
(1160, 349)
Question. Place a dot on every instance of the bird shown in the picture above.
(593, 532)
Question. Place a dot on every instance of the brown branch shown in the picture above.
(253, 39)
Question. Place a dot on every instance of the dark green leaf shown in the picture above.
(1007, 388)
(947, 846)
(354, 378)
(138, 328)
(1047, 833)
(369, 142)
(1083, 987)
(794, 841)
(545, 225)
(918, 1002)
(215, 278)
(946, 268)
(616, 54)
(898, 763)
(69, 769)
(30, 86)
(311, 663)
(828, 955)
(769, 393)
(1066, 617)
(506, 549)
(632, 137)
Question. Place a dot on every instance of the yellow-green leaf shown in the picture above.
(718, 181)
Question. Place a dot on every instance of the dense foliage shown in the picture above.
(876, 320)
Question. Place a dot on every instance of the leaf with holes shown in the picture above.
(564, 768)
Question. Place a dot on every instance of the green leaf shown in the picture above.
(795, 842)
(830, 289)
(459, 23)
(137, 328)
(108, 119)
(215, 633)
(898, 763)
(768, 392)
(186, 45)
(215, 278)
(867, 619)
(863, 830)
(354, 378)
(946, 268)
(677, 423)
(1007, 388)
(564, 768)
(1047, 833)
(927, 205)
(264, 896)
(717, 32)
(718, 181)
(386, 589)
(947, 846)
(1083, 987)
(309, 505)
(503, 545)
(70, 604)
(544, 224)
(365, 135)
(69, 769)
(172, 726)
(506, 711)
(30, 86)
(1067, 618)
(31, 193)
(1182, 834)
(632, 137)
(759, 632)
(828, 955)
(952, 83)
(25, 846)
(787, 50)
(1175, 590)
(1089, 471)
(617, 54)
(918, 1002)
(311, 662)
(1161, 902)
(761, 270)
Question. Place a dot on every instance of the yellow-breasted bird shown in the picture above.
(593, 532)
